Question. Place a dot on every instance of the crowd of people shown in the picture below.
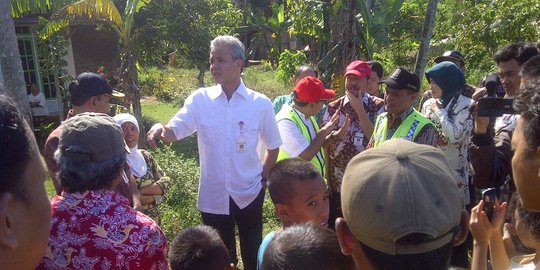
(369, 180)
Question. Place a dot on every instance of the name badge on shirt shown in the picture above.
(359, 140)
(241, 143)
(241, 140)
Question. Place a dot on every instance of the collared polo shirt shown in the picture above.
(221, 124)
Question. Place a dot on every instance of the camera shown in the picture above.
(493, 106)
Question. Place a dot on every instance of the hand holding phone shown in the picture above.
(489, 196)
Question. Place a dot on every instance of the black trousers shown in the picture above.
(249, 221)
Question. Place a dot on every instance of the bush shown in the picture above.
(180, 209)
(169, 84)
(288, 63)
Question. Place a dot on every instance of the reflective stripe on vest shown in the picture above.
(408, 129)
(293, 116)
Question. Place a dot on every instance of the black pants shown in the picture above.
(249, 221)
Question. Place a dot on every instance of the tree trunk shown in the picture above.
(59, 98)
(200, 77)
(129, 80)
(13, 85)
(345, 31)
(427, 33)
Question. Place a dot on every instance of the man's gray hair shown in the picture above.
(238, 51)
(78, 176)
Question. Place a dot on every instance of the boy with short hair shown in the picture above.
(199, 247)
(299, 194)
(306, 247)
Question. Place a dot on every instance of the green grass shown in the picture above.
(262, 80)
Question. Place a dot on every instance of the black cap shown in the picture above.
(452, 56)
(401, 78)
(90, 84)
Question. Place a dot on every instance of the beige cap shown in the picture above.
(397, 189)
(96, 136)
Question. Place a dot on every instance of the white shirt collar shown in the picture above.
(217, 91)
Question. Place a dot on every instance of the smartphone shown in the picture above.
(495, 107)
(489, 196)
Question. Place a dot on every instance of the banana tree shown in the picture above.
(358, 29)
(104, 11)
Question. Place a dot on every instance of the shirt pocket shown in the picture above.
(250, 134)
(209, 132)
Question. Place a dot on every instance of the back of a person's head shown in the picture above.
(531, 68)
(286, 171)
(402, 204)
(527, 104)
(25, 210)
(91, 152)
(377, 68)
(438, 259)
(306, 247)
(17, 148)
(198, 248)
(520, 51)
(305, 69)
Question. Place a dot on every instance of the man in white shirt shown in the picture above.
(229, 120)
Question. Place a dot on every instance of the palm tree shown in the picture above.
(104, 11)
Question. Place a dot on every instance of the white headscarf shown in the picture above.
(135, 159)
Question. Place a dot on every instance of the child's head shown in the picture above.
(199, 247)
(527, 224)
(298, 192)
(306, 246)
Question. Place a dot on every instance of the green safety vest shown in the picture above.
(292, 115)
(408, 129)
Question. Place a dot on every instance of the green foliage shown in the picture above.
(404, 33)
(288, 63)
(169, 84)
(182, 26)
(173, 85)
(179, 211)
(262, 80)
(307, 18)
(20, 8)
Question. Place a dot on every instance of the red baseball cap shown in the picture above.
(311, 89)
(358, 68)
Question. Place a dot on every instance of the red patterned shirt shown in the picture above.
(98, 230)
(341, 152)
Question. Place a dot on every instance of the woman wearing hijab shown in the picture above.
(449, 111)
(151, 180)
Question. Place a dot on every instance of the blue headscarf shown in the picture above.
(449, 78)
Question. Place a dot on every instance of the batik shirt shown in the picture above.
(98, 230)
(154, 175)
(341, 152)
(454, 125)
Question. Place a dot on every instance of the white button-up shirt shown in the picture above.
(222, 125)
